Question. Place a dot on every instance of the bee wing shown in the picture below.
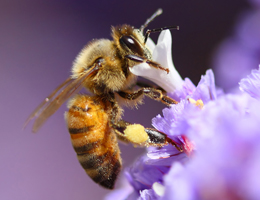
(53, 102)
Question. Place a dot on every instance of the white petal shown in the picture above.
(150, 44)
(163, 51)
(161, 54)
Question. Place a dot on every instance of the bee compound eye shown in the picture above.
(132, 44)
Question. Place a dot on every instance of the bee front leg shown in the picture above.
(140, 59)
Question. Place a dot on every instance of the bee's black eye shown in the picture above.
(132, 44)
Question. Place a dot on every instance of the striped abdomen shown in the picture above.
(93, 139)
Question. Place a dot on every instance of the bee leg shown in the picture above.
(140, 59)
(157, 138)
(143, 84)
(140, 136)
(152, 93)
(130, 133)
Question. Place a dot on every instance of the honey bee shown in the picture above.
(95, 122)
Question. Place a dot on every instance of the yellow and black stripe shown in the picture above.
(94, 140)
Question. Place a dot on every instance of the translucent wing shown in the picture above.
(53, 102)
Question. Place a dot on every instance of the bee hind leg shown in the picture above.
(141, 136)
(157, 138)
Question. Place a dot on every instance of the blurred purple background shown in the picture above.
(239, 53)
(38, 42)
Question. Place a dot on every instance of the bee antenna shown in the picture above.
(158, 30)
(156, 14)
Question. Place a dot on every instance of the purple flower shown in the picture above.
(148, 194)
(220, 136)
(206, 89)
(224, 166)
(186, 90)
(139, 175)
(251, 84)
(225, 163)
(170, 122)
(147, 173)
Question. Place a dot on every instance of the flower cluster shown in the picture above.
(218, 132)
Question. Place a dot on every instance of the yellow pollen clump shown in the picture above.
(198, 103)
(135, 133)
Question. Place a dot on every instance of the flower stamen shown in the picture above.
(198, 103)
